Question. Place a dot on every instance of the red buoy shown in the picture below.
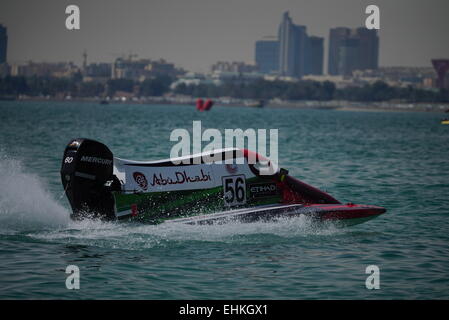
(209, 103)
(199, 104)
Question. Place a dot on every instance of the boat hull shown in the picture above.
(226, 185)
(343, 214)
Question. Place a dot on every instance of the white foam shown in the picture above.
(137, 236)
(25, 203)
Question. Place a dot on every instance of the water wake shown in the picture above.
(25, 203)
(134, 236)
(27, 206)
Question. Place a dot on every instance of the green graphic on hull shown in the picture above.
(155, 207)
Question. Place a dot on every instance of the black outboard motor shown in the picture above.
(87, 177)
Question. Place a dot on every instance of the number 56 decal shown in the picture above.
(234, 190)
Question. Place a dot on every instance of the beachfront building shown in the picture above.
(97, 72)
(142, 69)
(45, 69)
(234, 66)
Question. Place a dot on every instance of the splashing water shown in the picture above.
(136, 236)
(25, 203)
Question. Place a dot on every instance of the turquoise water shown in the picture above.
(396, 160)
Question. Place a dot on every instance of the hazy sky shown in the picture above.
(194, 34)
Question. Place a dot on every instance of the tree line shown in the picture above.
(313, 90)
(11, 86)
(48, 86)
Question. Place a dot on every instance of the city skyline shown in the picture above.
(193, 36)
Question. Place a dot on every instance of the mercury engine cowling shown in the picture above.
(87, 177)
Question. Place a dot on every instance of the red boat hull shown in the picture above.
(341, 214)
(347, 214)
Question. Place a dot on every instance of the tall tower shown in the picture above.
(3, 43)
(336, 38)
(292, 42)
(286, 54)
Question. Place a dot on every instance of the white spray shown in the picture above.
(24, 201)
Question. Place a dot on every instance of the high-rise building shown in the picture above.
(267, 55)
(286, 46)
(352, 49)
(348, 56)
(292, 54)
(368, 48)
(292, 44)
(3, 43)
(336, 37)
(314, 56)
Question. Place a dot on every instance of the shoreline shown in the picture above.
(339, 105)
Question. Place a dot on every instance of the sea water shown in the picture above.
(398, 160)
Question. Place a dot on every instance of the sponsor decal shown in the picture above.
(172, 178)
(68, 160)
(258, 190)
(232, 168)
(141, 180)
(181, 178)
(96, 160)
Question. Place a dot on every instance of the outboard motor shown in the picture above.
(87, 177)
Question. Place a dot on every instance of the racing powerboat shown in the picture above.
(215, 187)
